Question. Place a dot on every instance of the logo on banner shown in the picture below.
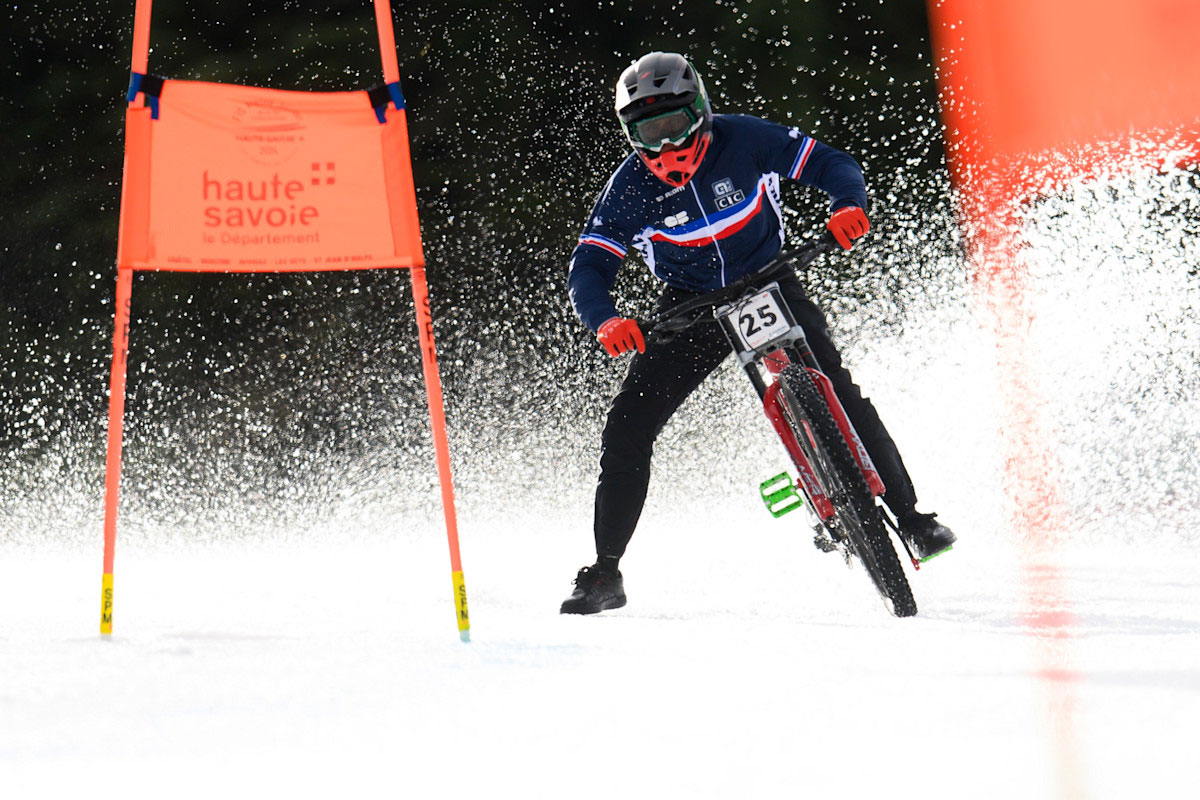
(328, 177)
(267, 133)
(245, 210)
(252, 207)
(275, 202)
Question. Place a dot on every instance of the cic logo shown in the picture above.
(726, 194)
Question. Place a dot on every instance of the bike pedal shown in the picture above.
(929, 558)
(779, 495)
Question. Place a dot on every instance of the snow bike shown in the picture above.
(837, 476)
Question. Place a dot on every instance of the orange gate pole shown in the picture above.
(116, 426)
(131, 245)
(433, 381)
(441, 446)
(387, 41)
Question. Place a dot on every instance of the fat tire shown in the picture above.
(869, 538)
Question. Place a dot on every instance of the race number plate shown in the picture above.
(758, 319)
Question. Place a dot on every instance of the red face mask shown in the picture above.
(675, 165)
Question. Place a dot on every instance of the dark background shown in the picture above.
(510, 114)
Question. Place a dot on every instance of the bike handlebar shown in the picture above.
(676, 318)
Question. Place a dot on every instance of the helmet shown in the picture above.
(665, 114)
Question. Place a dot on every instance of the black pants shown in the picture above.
(661, 378)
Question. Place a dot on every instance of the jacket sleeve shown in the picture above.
(598, 255)
(801, 158)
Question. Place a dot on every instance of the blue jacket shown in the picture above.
(723, 223)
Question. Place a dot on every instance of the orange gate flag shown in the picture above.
(222, 178)
(239, 178)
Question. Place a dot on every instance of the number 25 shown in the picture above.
(765, 313)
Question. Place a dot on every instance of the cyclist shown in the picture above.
(699, 200)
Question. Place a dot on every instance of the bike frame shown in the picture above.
(787, 347)
(794, 348)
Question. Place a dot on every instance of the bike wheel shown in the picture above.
(857, 518)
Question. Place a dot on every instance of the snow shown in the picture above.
(770, 669)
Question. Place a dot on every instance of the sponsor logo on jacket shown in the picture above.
(727, 194)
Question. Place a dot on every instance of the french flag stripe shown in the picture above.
(801, 158)
(710, 233)
(718, 227)
(603, 243)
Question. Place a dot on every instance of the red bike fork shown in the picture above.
(773, 405)
(775, 362)
(874, 482)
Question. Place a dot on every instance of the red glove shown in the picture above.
(620, 335)
(847, 224)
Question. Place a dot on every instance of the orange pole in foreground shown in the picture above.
(116, 415)
(441, 445)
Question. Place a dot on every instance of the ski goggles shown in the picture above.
(660, 130)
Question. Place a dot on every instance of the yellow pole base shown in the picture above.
(106, 604)
(460, 603)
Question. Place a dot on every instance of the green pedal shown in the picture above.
(779, 495)
(927, 559)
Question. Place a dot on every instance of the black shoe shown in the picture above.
(595, 590)
(925, 535)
